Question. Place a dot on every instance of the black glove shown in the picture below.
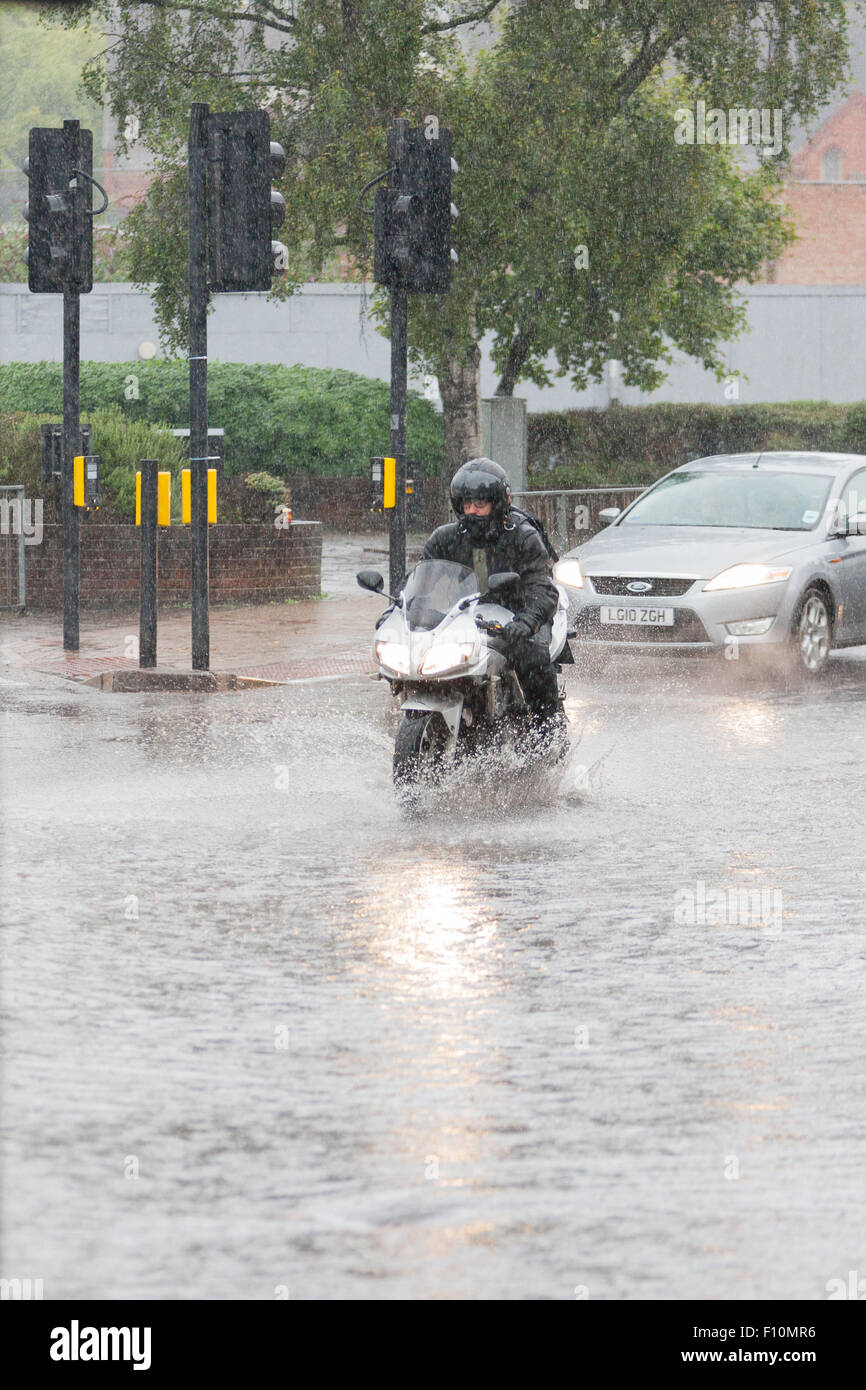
(515, 634)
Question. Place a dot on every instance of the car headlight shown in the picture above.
(394, 655)
(746, 576)
(568, 572)
(445, 656)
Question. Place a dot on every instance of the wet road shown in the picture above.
(599, 1035)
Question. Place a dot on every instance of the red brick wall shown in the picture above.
(828, 206)
(829, 219)
(248, 563)
(124, 187)
(343, 504)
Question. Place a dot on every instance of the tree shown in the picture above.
(41, 73)
(586, 230)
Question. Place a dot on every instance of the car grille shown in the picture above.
(687, 628)
(618, 584)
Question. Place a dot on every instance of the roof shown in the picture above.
(787, 460)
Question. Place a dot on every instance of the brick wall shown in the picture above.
(826, 192)
(831, 250)
(248, 563)
(343, 504)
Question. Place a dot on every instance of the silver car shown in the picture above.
(735, 551)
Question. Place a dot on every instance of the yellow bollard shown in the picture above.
(389, 498)
(186, 496)
(138, 499)
(163, 499)
(78, 481)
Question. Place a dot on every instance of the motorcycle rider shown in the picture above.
(490, 537)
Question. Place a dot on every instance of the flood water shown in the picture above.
(597, 1034)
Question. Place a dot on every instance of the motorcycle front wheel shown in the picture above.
(419, 753)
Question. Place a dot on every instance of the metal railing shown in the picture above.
(12, 565)
(570, 515)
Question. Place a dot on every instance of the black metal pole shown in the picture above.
(198, 295)
(399, 315)
(71, 445)
(149, 565)
(397, 153)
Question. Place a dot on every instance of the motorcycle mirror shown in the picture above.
(502, 581)
(370, 579)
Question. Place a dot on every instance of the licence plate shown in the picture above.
(638, 617)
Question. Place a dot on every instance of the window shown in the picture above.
(761, 499)
(854, 499)
(831, 165)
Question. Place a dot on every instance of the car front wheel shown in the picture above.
(812, 632)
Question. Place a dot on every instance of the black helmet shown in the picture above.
(481, 480)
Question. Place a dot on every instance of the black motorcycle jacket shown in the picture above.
(512, 544)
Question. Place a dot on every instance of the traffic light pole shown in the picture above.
(198, 295)
(399, 316)
(71, 443)
(412, 254)
(149, 565)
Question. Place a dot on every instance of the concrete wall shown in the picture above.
(804, 342)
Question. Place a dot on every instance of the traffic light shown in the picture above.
(243, 209)
(413, 211)
(86, 491)
(60, 245)
(52, 448)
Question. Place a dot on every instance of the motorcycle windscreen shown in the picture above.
(432, 588)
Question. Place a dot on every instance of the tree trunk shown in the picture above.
(518, 352)
(460, 388)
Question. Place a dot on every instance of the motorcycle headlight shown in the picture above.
(446, 656)
(746, 576)
(394, 655)
(568, 572)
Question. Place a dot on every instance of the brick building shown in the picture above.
(826, 192)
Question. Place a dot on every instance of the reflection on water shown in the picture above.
(752, 723)
(426, 920)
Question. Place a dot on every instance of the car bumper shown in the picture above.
(702, 621)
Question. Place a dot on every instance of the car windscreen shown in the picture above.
(432, 588)
(741, 498)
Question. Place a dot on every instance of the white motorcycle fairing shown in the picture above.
(459, 628)
(451, 711)
(440, 608)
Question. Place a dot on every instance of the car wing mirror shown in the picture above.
(609, 514)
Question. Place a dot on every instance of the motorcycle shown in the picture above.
(440, 648)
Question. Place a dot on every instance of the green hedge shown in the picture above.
(279, 420)
(636, 444)
(120, 443)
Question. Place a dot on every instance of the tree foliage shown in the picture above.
(563, 122)
(41, 75)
